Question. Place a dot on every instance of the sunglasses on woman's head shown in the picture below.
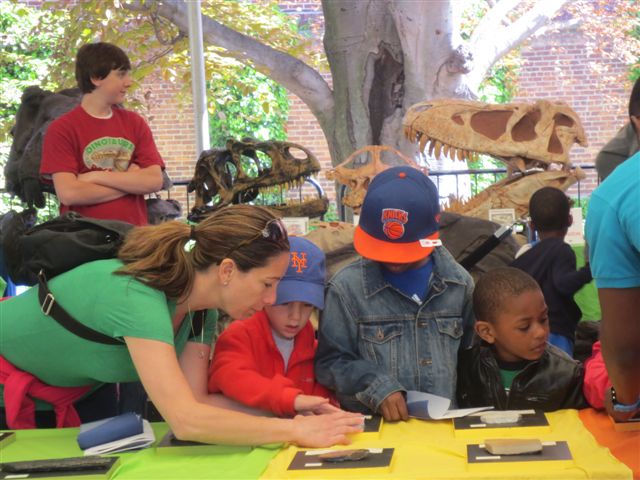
(274, 231)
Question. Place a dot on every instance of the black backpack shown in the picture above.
(56, 246)
(59, 245)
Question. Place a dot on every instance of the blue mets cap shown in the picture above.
(304, 280)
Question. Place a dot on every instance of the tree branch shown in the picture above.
(292, 73)
(556, 26)
(493, 21)
(487, 49)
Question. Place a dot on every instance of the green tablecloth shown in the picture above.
(143, 464)
(587, 296)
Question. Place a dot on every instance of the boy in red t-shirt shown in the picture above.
(101, 158)
(266, 361)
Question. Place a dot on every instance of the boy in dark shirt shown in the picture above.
(552, 263)
(513, 367)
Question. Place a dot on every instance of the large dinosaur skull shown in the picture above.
(243, 170)
(357, 171)
(522, 135)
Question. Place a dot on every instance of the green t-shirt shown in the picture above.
(507, 377)
(116, 305)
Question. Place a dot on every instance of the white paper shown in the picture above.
(296, 225)
(502, 216)
(575, 234)
(433, 407)
(134, 442)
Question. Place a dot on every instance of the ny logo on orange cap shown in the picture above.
(299, 261)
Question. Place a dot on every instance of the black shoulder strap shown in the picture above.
(197, 323)
(51, 308)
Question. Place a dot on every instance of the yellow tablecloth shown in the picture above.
(430, 450)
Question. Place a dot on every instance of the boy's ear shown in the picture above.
(570, 221)
(485, 331)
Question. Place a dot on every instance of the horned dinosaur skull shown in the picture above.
(357, 171)
(244, 169)
(522, 135)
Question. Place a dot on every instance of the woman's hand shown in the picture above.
(313, 405)
(316, 431)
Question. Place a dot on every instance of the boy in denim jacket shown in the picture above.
(395, 319)
(514, 367)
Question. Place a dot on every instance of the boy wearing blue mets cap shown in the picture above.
(266, 361)
(395, 319)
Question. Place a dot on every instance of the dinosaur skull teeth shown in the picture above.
(432, 146)
(446, 149)
(423, 141)
(438, 148)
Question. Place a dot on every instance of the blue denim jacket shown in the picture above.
(374, 340)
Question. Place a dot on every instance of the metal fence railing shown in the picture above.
(475, 178)
(471, 177)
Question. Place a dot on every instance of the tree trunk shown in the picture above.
(384, 57)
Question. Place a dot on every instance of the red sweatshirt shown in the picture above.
(248, 367)
(21, 386)
(596, 378)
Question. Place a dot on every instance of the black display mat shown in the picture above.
(559, 451)
(308, 463)
(171, 445)
(102, 473)
(372, 423)
(6, 438)
(473, 422)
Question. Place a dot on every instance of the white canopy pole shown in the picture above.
(196, 50)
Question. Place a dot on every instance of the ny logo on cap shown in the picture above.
(393, 220)
(299, 261)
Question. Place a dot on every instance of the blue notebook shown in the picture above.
(116, 428)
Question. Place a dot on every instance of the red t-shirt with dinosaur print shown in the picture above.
(78, 142)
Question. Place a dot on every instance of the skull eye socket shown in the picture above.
(229, 175)
(562, 120)
(255, 163)
(296, 154)
(525, 129)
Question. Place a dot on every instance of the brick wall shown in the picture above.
(557, 67)
(171, 118)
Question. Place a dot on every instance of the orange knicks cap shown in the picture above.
(399, 218)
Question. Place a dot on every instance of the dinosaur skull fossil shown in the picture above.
(514, 192)
(520, 134)
(243, 170)
(357, 171)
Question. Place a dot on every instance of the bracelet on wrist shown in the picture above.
(623, 407)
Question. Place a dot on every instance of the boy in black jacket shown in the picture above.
(514, 367)
(552, 263)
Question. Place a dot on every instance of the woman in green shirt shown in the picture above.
(233, 261)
